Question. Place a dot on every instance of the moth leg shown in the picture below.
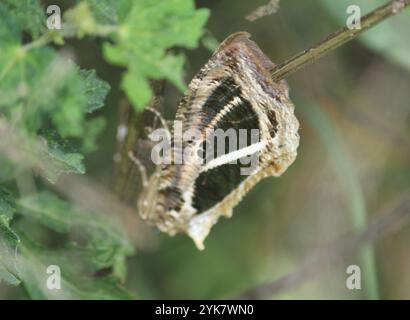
(160, 117)
(140, 166)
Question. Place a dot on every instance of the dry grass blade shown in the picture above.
(395, 216)
(270, 8)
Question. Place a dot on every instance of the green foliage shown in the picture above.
(28, 14)
(146, 30)
(47, 106)
(40, 87)
(387, 39)
(141, 34)
(78, 274)
(104, 11)
(95, 89)
(8, 239)
(61, 154)
(106, 246)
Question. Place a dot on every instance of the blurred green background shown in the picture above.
(353, 159)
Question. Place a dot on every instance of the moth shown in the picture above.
(235, 91)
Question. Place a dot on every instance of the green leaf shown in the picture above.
(29, 15)
(137, 88)
(81, 20)
(92, 131)
(388, 39)
(70, 105)
(8, 276)
(31, 101)
(21, 73)
(9, 28)
(49, 210)
(95, 89)
(7, 170)
(7, 205)
(147, 30)
(104, 11)
(9, 240)
(106, 245)
(74, 283)
(60, 153)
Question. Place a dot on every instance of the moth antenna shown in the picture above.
(160, 117)
(141, 168)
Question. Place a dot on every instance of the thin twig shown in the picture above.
(337, 39)
(126, 175)
(388, 219)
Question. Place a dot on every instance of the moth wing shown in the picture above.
(232, 92)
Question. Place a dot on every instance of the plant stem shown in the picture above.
(337, 39)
